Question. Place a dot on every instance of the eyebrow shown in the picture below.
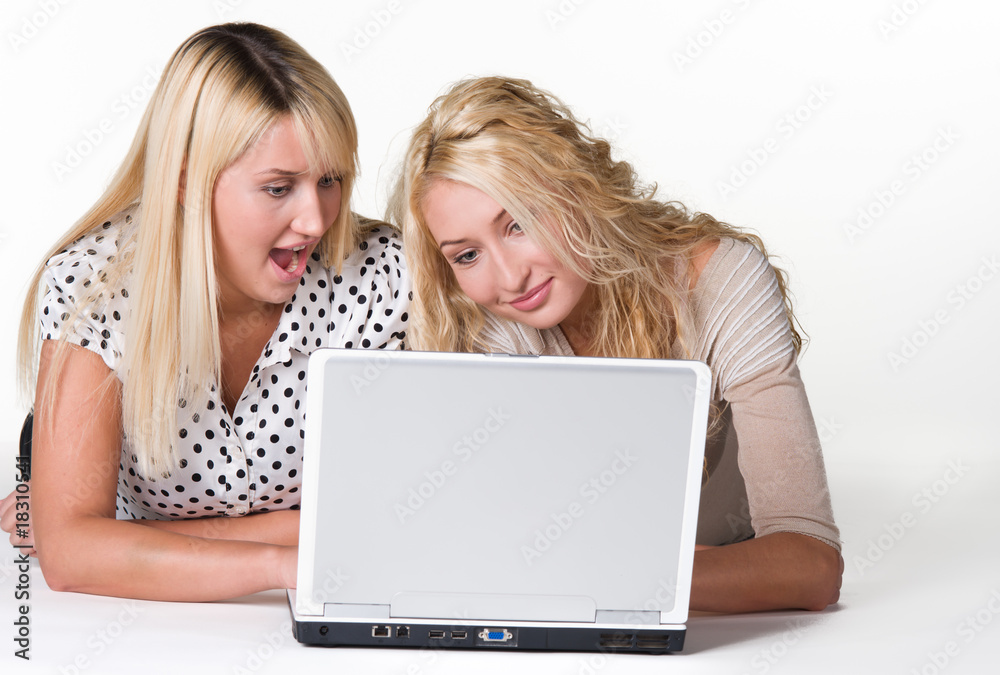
(496, 219)
(280, 172)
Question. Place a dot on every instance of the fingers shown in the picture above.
(25, 546)
(7, 513)
(20, 535)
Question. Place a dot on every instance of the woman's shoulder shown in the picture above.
(79, 302)
(726, 254)
(83, 270)
(366, 301)
(739, 312)
(730, 269)
(379, 251)
(374, 261)
(93, 252)
(702, 255)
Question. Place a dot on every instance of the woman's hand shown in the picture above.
(20, 535)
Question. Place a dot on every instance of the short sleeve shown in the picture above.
(67, 282)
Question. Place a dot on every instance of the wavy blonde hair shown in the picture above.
(220, 92)
(524, 149)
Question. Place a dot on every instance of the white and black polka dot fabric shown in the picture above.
(250, 459)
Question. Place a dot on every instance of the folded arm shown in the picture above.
(784, 570)
(793, 562)
(82, 547)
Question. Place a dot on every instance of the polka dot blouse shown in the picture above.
(250, 459)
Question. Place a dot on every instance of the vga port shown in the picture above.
(495, 635)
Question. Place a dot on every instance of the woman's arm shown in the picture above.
(784, 570)
(276, 527)
(780, 459)
(81, 547)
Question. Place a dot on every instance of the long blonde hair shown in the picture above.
(220, 92)
(524, 149)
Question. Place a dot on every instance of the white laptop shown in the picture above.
(499, 502)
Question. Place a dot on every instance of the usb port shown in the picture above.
(380, 631)
(652, 641)
(436, 634)
(459, 634)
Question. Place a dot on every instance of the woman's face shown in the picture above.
(496, 264)
(269, 212)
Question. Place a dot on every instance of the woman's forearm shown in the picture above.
(124, 559)
(784, 570)
(275, 527)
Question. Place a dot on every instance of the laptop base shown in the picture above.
(500, 636)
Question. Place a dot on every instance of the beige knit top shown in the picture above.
(764, 466)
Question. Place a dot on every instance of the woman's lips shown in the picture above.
(533, 298)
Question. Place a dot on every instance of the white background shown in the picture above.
(693, 93)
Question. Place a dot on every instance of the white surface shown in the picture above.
(889, 433)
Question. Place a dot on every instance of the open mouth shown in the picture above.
(287, 258)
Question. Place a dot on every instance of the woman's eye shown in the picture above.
(329, 180)
(466, 258)
(277, 190)
(514, 227)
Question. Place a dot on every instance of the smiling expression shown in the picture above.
(495, 263)
(269, 210)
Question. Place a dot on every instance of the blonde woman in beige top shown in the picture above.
(523, 235)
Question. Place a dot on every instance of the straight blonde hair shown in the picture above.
(220, 92)
(524, 149)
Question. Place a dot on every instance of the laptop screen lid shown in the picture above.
(500, 488)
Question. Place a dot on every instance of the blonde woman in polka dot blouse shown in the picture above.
(172, 325)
